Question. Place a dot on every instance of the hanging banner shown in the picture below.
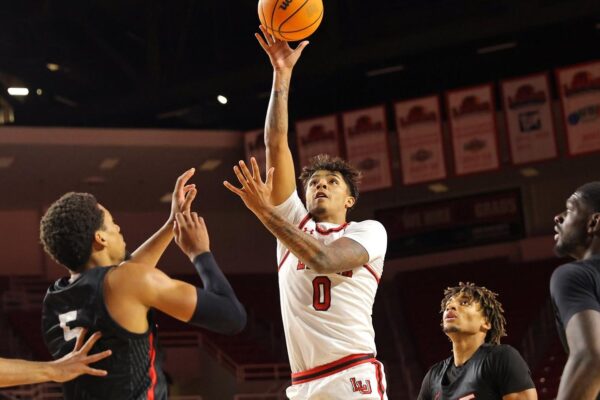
(579, 88)
(420, 140)
(528, 115)
(254, 145)
(317, 136)
(365, 134)
(471, 113)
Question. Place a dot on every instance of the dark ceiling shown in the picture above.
(157, 63)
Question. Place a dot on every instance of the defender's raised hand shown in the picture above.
(183, 194)
(191, 234)
(255, 193)
(77, 362)
(282, 56)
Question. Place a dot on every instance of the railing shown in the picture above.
(45, 391)
(253, 372)
(242, 372)
(265, 396)
(49, 391)
(21, 300)
(275, 393)
(11, 346)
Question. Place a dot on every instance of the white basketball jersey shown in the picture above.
(328, 316)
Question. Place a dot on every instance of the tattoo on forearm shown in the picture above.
(277, 112)
(305, 247)
(281, 91)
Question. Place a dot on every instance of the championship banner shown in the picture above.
(254, 146)
(419, 128)
(528, 115)
(579, 88)
(365, 134)
(317, 136)
(471, 114)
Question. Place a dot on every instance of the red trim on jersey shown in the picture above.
(300, 226)
(304, 221)
(372, 271)
(331, 368)
(287, 253)
(152, 370)
(379, 375)
(328, 231)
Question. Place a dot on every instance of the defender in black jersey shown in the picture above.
(105, 293)
(480, 368)
(575, 292)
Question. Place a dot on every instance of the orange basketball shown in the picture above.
(290, 20)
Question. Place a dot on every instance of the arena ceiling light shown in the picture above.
(166, 198)
(222, 99)
(52, 67)
(529, 172)
(210, 165)
(108, 163)
(385, 71)
(438, 188)
(65, 101)
(496, 47)
(18, 91)
(94, 180)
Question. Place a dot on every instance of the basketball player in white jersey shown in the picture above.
(329, 269)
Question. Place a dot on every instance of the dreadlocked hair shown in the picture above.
(491, 307)
(324, 162)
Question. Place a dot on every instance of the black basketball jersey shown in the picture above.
(574, 287)
(134, 368)
(491, 373)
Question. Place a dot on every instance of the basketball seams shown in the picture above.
(275, 5)
(292, 15)
(309, 26)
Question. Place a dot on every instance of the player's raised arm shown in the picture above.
(580, 379)
(283, 58)
(215, 307)
(151, 250)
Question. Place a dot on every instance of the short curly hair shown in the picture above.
(67, 229)
(492, 308)
(324, 162)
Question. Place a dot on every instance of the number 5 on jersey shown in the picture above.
(64, 319)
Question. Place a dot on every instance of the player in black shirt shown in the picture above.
(106, 293)
(575, 292)
(480, 368)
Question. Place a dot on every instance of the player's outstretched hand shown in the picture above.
(255, 193)
(183, 194)
(282, 56)
(191, 234)
(78, 361)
